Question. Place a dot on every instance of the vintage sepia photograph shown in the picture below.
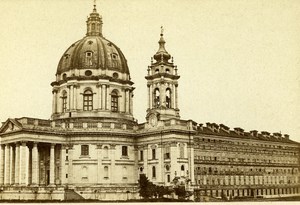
(149, 101)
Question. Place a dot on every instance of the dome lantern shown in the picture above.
(94, 23)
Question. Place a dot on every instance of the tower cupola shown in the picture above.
(162, 54)
(162, 85)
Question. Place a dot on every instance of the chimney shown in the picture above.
(277, 135)
(224, 128)
(238, 130)
(253, 133)
(200, 127)
(265, 134)
(286, 136)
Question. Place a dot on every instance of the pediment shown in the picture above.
(10, 125)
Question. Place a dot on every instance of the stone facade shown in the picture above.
(92, 147)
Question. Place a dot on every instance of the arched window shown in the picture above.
(153, 172)
(87, 100)
(64, 101)
(182, 168)
(168, 98)
(156, 97)
(114, 101)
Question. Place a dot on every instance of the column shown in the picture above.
(52, 165)
(151, 96)
(17, 164)
(103, 97)
(75, 97)
(23, 164)
(126, 101)
(7, 166)
(131, 102)
(162, 95)
(149, 99)
(99, 97)
(35, 164)
(2, 152)
(176, 97)
(173, 97)
(72, 97)
(12, 166)
(54, 101)
(108, 103)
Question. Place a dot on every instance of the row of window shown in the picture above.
(85, 150)
(282, 160)
(88, 101)
(167, 153)
(247, 144)
(246, 180)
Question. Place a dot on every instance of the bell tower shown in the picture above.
(162, 85)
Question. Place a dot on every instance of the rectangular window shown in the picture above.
(153, 154)
(167, 153)
(87, 102)
(66, 175)
(67, 151)
(141, 155)
(64, 103)
(114, 103)
(67, 158)
(169, 178)
(84, 150)
(124, 151)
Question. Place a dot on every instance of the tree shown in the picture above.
(145, 187)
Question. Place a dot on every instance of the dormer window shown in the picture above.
(66, 56)
(89, 58)
(114, 56)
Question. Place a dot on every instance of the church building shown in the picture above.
(93, 148)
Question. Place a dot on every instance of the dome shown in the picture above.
(93, 52)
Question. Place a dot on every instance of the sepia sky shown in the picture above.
(239, 60)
